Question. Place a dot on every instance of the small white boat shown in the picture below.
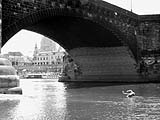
(41, 75)
(34, 75)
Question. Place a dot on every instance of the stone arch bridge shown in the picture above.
(103, 39)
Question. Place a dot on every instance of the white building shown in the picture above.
(48, 54)
(48, 58)
(17, 59)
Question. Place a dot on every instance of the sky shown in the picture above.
(25, 41)
(140, 7)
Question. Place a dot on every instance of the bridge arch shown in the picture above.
(85, 38)
(36, 22)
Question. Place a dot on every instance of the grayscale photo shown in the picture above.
(79, 60)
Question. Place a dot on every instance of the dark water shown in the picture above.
(52, 100)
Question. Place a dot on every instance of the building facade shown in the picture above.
(48, 54)
(48, 58)
(18, 59)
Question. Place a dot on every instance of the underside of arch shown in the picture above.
(69, 32)
(73, 32)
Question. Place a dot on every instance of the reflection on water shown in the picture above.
(139, 108)
(52, 100)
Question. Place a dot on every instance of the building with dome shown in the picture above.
(49, 55)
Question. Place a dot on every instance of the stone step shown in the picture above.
(108, 68)
(122, 50)
(108, 72)
(109, 78)
(105, 63)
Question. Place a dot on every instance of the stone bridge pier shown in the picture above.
(109, 64)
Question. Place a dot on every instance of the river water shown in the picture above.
(44, 99)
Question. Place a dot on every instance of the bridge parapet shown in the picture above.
(150, 18)
(20, 8)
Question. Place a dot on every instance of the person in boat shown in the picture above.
(129, 93)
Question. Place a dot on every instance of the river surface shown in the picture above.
(44, 99)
